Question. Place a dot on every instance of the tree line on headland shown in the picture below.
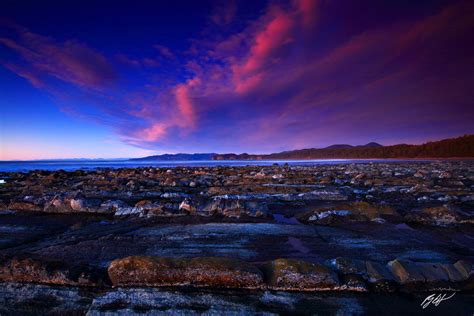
(460, 147)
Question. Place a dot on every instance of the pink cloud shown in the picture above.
(187, 118)
(153, 133)
(308, 11)
(248, 84)
(275, 34)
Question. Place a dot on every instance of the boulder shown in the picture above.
(85, 205)
(444, 215)
(77, 204)
(116, 207)
(454, 274)
(233, 208)
(465, 268)
(348, 212)
(435, 275)
(467, 273)
(187, 206)
(329, 217)
(289, 274)
(379, 277)
(67, 204)
(58, 204)
(199, 272)
(406, 272)
(148, 209)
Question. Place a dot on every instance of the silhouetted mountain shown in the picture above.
(372, 144)
(448, 148)
(177, 157)
(339, 146)
(346, 146)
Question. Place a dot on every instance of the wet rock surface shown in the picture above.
(373, 228)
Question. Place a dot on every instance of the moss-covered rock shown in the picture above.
(289, 274)
(32, 270)
(200, 272)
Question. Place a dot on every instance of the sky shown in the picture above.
(116, 79)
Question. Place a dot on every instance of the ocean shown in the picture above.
(84, 164)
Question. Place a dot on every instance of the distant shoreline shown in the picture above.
(72, 160)
(453, 148)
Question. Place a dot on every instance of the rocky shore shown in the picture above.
(103, 240)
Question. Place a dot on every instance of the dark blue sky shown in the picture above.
(131, 78)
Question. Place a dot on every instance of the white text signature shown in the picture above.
(435, 299)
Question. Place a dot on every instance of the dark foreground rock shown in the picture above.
(33, 299)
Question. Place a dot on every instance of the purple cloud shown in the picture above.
(278, 83)
(164, 51)
(70, 61)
